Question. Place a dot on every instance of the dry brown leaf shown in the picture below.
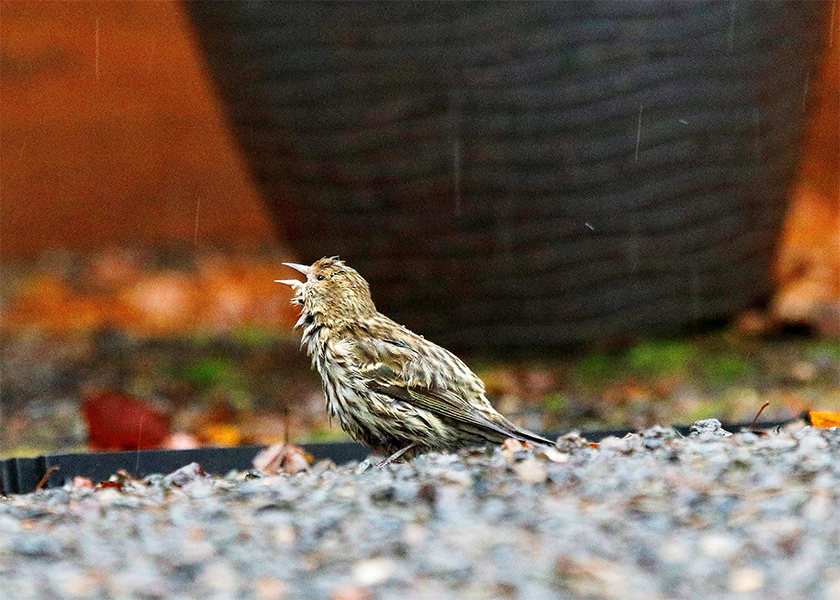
(282, 458)
(110, 484)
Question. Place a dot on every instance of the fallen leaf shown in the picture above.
(282, 458)
(120, 422)
(110, 484)
(824, 418)
(225, 435)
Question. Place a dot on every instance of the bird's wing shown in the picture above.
(441, 403)
(396, 370)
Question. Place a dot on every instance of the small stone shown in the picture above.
(414, 534)
(554, 455)
(352, 592)
(571, 441)
(374, 571)
(613, 444)
(719, 545)
(383, 494)
(812, 443)
(184, 475)
(746, 579)
(778, 442)
(73, 583)
(284, 533)
(37, 544)
(708, 428)
(655, 436)
(221, 578)
(271, 589)
(675, 551)
(531, 471)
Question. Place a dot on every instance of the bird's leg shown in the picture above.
(387, 461)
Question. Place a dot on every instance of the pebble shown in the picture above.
(652, 515)
(708, 428)
(374, 571)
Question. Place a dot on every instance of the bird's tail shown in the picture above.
(523, 435)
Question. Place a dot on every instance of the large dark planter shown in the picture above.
(520, 174)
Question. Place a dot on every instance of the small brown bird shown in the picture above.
(391, 389)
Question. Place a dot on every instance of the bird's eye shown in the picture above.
(320, 278)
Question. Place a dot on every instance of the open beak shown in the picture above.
(305, 269)
(292, 283)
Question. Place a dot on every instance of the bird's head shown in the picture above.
(333, 293)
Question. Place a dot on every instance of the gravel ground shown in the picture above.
(653, 515)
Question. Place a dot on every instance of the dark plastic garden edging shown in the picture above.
(22, 475)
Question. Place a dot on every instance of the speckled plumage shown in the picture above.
(389, 387)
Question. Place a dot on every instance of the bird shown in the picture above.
(389, 388)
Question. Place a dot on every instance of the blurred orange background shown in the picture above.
(113, 139)
(112, 135)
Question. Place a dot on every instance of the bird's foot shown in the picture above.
(387, 461)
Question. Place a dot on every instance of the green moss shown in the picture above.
(209, 372)
(823, 349)
(728, 368)
(597, 365)
(324, 435)
(253, 337)
(555, 402)
(661, 357)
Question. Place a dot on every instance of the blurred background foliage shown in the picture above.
(138, 265)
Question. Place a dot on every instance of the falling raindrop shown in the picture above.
(695, 296)
(455, 130)
(633, 248)
(139, 442)
(456, 168)
(96, 64)
(639, 132)
(805, 93)
(197, 207)
(731, 24)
